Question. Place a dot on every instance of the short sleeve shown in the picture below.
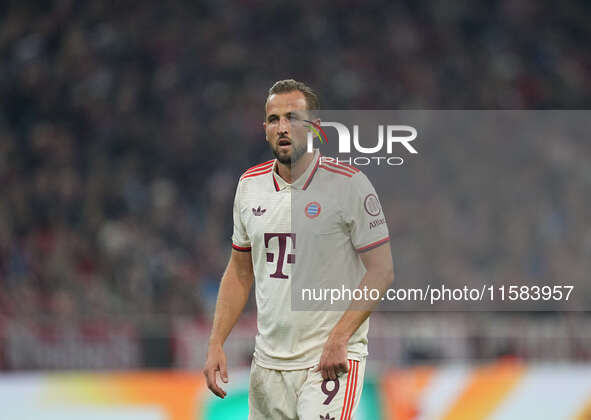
(367, 222)
(240, 239)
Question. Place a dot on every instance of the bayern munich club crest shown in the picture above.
(372, 205)
(312, 209)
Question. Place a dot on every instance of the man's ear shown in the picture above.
(265, 129)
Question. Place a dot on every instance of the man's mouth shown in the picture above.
(284, 142)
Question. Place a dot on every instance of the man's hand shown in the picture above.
(379, 275)
(234, 290)
(216, 362)
(334, 359)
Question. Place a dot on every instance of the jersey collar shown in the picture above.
(303, 181)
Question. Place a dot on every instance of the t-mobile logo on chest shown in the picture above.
(282, 241)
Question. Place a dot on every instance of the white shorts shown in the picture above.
(303, 394)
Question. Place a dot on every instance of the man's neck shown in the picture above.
(290, 172)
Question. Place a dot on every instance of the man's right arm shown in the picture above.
(232, 297)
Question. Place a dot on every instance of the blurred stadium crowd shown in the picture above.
(124, 127)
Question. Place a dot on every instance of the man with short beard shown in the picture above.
(307, 364)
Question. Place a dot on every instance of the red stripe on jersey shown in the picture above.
(351, 393)
(311, 174)
(260, 165)
(373, 244)
(335, 171)
(241, 248)
(336, 162)
(262, 168)
(256, 173)
(354, 168)
(341, 167)
(346, 392)
(354, 388)
(258, 168)
(275, 183)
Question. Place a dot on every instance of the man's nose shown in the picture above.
(284, 125)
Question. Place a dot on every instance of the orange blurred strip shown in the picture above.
(175, 392)
(487, 388)
(402, 390)
(585, 414)
(178, 394)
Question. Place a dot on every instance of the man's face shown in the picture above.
(284, 126)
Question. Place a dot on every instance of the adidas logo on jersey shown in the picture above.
(259, 211)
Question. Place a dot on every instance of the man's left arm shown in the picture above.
(379, 275)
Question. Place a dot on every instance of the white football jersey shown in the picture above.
(309, 232)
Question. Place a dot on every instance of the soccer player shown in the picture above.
(307, 364)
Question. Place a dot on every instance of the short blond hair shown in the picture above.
(291, 85)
